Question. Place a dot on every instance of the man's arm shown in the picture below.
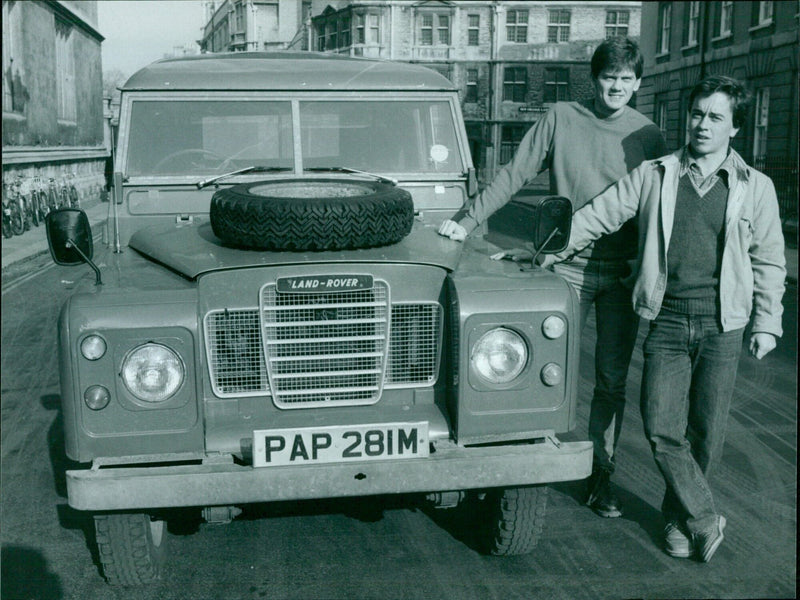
(530, 159)
(768, 262)
(605, 214)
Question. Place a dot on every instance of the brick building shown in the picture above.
(511, 60)
(756, 42)
(53, 123)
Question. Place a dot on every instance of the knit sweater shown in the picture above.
(585, 154)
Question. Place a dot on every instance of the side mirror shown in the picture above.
(552, 225)
(69, 237)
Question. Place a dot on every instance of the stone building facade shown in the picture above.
(756, 42)
(511, 60)
(53, 122)
(255, 25)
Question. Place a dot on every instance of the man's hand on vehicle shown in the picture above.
(762, 344)
(515, 254)
(453, 230)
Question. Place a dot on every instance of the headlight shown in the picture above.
(152, 372)
(93, 347)
(553, 327)
(500, 355)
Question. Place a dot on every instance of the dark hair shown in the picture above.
(733, 88)
(616, 54)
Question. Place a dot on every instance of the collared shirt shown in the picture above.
(703, 183)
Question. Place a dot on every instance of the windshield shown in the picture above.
(380, 136)
(210, 137)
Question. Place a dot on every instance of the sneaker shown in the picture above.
(707, 542)
(601, 499)
(676, 542)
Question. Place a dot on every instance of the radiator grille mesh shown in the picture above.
(324, 349)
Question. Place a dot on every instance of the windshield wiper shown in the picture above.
(251, 169)
(349, 170)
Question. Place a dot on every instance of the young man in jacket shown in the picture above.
(710, 257)
(588, 146)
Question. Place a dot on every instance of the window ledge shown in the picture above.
(689, 47)
(724, 36)
(662, 54)
(760, 26)
(12, 116)
(67, 122)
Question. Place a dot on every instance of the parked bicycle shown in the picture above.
(13, 198)
(8, 214)
(39, 197)
(72, 192)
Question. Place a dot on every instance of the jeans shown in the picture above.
(689, 374)
(598, 282)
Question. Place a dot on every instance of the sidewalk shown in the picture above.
(34, 242)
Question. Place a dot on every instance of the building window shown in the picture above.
(65, 73)
(344, 32)
(517, 26)
(617, 23)
(660, 114)
(473, 32)
(558, 25)
(240, 17)
(431, 21)
(374, 29)
(333, 36)
(510, 138)
(692, 23)
(763, 15)
(725, 25)
(321, 37)
(515, 84)
(664, 27)
(426, 30)
(443, 30)
(360, 35)
(762, 118)
(472, 86)
(556, 85)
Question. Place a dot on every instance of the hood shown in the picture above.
(193, 249)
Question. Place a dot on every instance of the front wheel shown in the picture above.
(513, 519)
(17, 218)
(131, 547)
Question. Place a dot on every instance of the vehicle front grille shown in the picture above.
(328, 349)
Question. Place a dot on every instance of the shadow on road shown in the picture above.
(25, 574)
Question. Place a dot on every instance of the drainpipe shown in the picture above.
(703, 38)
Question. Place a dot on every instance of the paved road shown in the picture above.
(394, 547)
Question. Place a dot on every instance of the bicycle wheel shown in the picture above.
(7, 233)
(52, 201)
(32, 206)
(41, 205)
(74, 201)
(17, 218)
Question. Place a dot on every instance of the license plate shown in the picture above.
(339, 443)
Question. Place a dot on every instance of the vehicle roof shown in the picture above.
(282, 71)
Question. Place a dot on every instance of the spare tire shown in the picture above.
(311, 214)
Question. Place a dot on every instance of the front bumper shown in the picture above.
(448, 468)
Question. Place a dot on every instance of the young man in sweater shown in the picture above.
(710, 254)
(588, 146)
